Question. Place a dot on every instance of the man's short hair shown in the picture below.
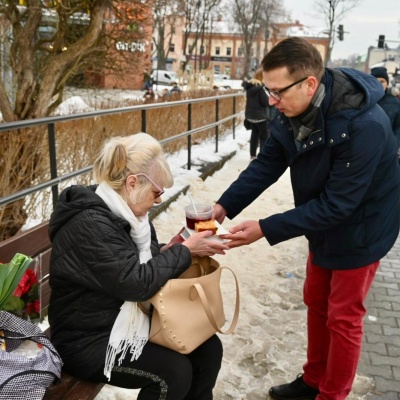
(299, 56)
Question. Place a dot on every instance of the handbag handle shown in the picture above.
(207, 309)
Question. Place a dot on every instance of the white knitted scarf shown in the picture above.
(131, 328)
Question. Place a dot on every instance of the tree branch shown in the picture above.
(5, 105)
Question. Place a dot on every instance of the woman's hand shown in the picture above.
(200, 244)
(176, 239)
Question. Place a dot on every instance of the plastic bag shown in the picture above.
(25, 374)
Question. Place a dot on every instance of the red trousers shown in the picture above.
(335, 301)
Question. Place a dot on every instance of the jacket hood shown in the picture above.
(353, 89)
(72, 201)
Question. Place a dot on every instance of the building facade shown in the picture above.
(130, 48)
(220, 51)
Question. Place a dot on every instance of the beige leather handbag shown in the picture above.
(189, 310)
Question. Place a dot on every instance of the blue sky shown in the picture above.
(364, 24)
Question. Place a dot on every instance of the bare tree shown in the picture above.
(333, 11)
(271, 11)
(352, 60)
(50, 44)
(164, 14)
(199, 17)
(43, 45)
(246, 19)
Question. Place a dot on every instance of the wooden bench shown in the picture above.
(35, 243)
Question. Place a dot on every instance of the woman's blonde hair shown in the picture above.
(259, 75)
(255, 82)
(130, 155)
(258, 78)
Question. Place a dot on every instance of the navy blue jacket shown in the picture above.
(345, 177)
(391, 106)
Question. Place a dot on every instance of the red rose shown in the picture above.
(25, 284)
(36, 306)
(33, 307)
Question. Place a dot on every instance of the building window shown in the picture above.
(229, 51)
(202, 49)
(217, 51)
(240, 52)
(172, 47)
(217, 69)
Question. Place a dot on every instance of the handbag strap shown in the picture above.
(207, 308)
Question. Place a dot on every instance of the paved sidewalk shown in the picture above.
(381, 349)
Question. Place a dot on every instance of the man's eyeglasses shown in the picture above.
(276, 94)
(160, 191)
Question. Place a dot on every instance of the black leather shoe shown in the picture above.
(296, 390)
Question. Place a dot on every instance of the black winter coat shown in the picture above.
(94, 269)
(345, 177)
(256, 102)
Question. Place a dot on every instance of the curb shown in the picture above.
(206, 170)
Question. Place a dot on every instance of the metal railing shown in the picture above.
(56, 180)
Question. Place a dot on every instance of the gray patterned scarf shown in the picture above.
(304, 124)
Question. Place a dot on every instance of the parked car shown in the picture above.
(222, 81)
(164, 77)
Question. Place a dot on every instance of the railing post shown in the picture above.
(189, 138)
(144, 121)
(53, 160)
(217, 126)
(234, 119)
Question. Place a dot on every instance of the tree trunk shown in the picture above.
(24, 157)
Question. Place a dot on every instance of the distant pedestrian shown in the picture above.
(149, 94)
(175, 88)
(165, 94)
(147, 81)
(256, 112)
(389, 102)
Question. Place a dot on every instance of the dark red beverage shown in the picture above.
(203, 213)
(190, 222)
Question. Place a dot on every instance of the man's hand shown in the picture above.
(219, 213)
(246, 232)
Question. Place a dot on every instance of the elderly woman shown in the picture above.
(106, 263)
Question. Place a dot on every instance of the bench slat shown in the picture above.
(30, 242)
(71, 388)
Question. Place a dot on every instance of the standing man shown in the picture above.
(341, 152)
(389, 102)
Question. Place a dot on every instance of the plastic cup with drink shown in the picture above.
(197, 212)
